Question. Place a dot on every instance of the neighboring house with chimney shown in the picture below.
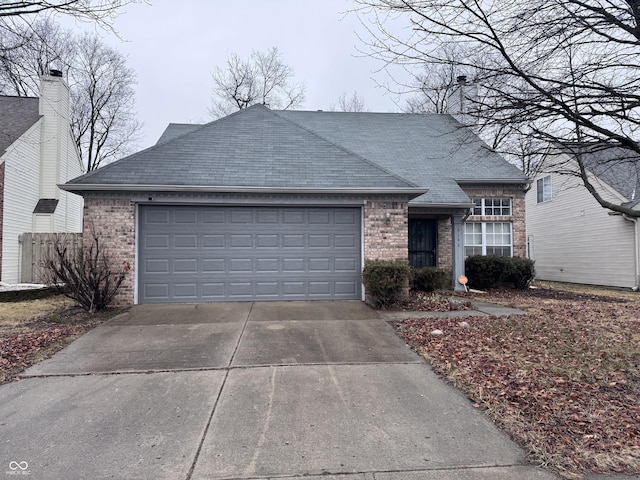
(37, 152)
(569, 235)
(289, 205)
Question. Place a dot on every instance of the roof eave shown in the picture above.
(412, 192)
(494, 181)
(441, 205)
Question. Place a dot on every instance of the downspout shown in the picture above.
(636, 251)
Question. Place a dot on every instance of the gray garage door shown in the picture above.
(196, 253)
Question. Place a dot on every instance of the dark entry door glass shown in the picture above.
(422, 242)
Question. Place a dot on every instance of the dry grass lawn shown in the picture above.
(32, 330)
(562, 380)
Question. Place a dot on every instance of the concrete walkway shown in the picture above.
(313, 390)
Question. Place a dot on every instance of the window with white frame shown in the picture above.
(543, 186)
(488, 238)
(492, 206)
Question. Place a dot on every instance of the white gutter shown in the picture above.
(636, 251)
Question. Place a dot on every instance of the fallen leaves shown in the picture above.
(563, 380)
(33, 330)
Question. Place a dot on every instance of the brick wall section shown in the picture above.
(113, 221)
(384, 241)
(1, 211)
(445, 244)
(518, 217)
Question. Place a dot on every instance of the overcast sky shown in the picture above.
(174, 46)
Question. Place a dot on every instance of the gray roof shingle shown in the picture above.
(175, 130)
(17, 115)
(251, 148)
(433, 150)
(617, 167)
(265, 148)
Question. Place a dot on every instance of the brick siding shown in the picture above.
(382, 240)
(112, 220)
(445, 245)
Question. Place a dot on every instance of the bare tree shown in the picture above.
(561, 72)
(262, 79)
(435, 83)
(350, 103)
(30, 50)
(102, 12)
(104, 121)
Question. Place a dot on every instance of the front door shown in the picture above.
(422, 242)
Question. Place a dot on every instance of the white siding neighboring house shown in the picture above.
(571, 237)
(36, 154)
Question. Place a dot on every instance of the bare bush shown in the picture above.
(90, 278)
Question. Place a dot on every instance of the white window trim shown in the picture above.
(484, 237)
(547, 193)
(483, 207)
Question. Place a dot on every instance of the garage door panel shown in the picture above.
(293, 217)
(185, 265)
(213, 265)
(157, 291)
(185, 216)
(268, 217)
(240, 289)
(320, 288)
(185, 241)
(345, 241)
(290, 241)
(319, 241)
(157, 266)
(267, 265)
(213, 291)
(246, 253)
(156, 241)
(240, 265)
(185, 291)
(212, 241)
(346, 265)
(345, 288)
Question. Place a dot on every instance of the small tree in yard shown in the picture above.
(89, 278)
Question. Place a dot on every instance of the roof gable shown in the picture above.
(434, 150)
(617, 167)
(17, 115)
(255, 148)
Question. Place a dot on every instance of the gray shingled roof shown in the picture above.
(46, 205)
(17, 115)
(617, 167)
(255, 148)
(174, 130)
(434, 151)
(260, 147)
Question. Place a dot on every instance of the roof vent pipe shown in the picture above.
(55, 73)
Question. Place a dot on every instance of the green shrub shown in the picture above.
(522, 272)
(492, 271)
(385, 280)
(428, 279)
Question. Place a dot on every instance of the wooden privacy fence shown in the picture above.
(37, 248)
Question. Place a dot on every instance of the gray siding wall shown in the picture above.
(573, 239)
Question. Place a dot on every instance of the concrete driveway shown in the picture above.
(314, 390)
